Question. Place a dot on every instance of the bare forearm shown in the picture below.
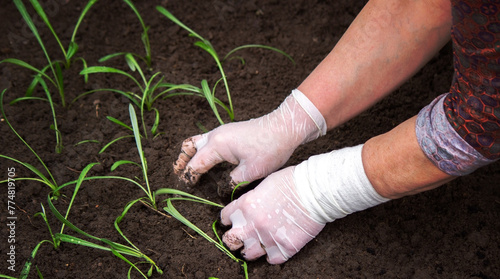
(387, 43)
(396, 165)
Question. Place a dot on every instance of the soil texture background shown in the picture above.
(450, 232)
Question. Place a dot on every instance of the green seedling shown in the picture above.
(150, 198)
(45, 179)
(238, 186)
(204, 91)
(53, 126)
(170, 209)
(28, 264)
(207, 46)
(148, 88)
(120, 123)
(53, 65)
(117, 249)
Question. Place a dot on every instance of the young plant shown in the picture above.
(207, 46)
(117, 249)
(170, 209)
(45, 179)
(150, 198)
(53, 65)
(144, 100)
(120, 123)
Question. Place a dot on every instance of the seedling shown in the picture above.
(150, 196)
(117, 249)
(120, 123)
(47, 180)
(147, 89)
(207, 46)
(170, 209)
(53, 65)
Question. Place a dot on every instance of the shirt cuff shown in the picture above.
(443, 145)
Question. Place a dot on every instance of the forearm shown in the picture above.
(387, 43)
(396, 165)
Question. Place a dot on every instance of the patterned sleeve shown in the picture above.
(460, 131)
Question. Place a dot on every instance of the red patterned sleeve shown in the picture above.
(473, 105)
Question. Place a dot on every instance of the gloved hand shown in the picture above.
(269, 219)
(291, 206)
(258, 146)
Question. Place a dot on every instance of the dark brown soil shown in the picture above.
(450, 232)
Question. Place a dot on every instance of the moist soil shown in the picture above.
(449, 232)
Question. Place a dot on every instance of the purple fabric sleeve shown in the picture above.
(441, 143)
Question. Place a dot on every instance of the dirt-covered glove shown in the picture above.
(290, 207)
(258, 146)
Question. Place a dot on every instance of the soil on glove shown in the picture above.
(450, 232)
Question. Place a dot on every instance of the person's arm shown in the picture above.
(396, 165)
(387, 43)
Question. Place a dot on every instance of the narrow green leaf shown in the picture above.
(39, 10)
(24, 13)
(109, 56)
(26, 99)
(156, 123)
(51, 183)
(80, 19)
(27, 66)
(137, 136)
(104, 69)
(116, 121)
(123, 162)
(27, 265)
(86, 141)
(113, 141)
(79, 182)
(72, 50)
(259, 46)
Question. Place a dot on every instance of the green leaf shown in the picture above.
(72, 50)
(113, 141)
(104, 69)
(156, 123)
(27, 98)
(39, 10)
(80, 19)
(27, 265)
(123, 162)
(79, 182)
(116, 121)
(86, 141)
(109, 56)
(137, 136)
(27, 66)
(259, 46)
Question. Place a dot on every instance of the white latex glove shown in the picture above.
(269, 219)
(290, 207)
(258, 146)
